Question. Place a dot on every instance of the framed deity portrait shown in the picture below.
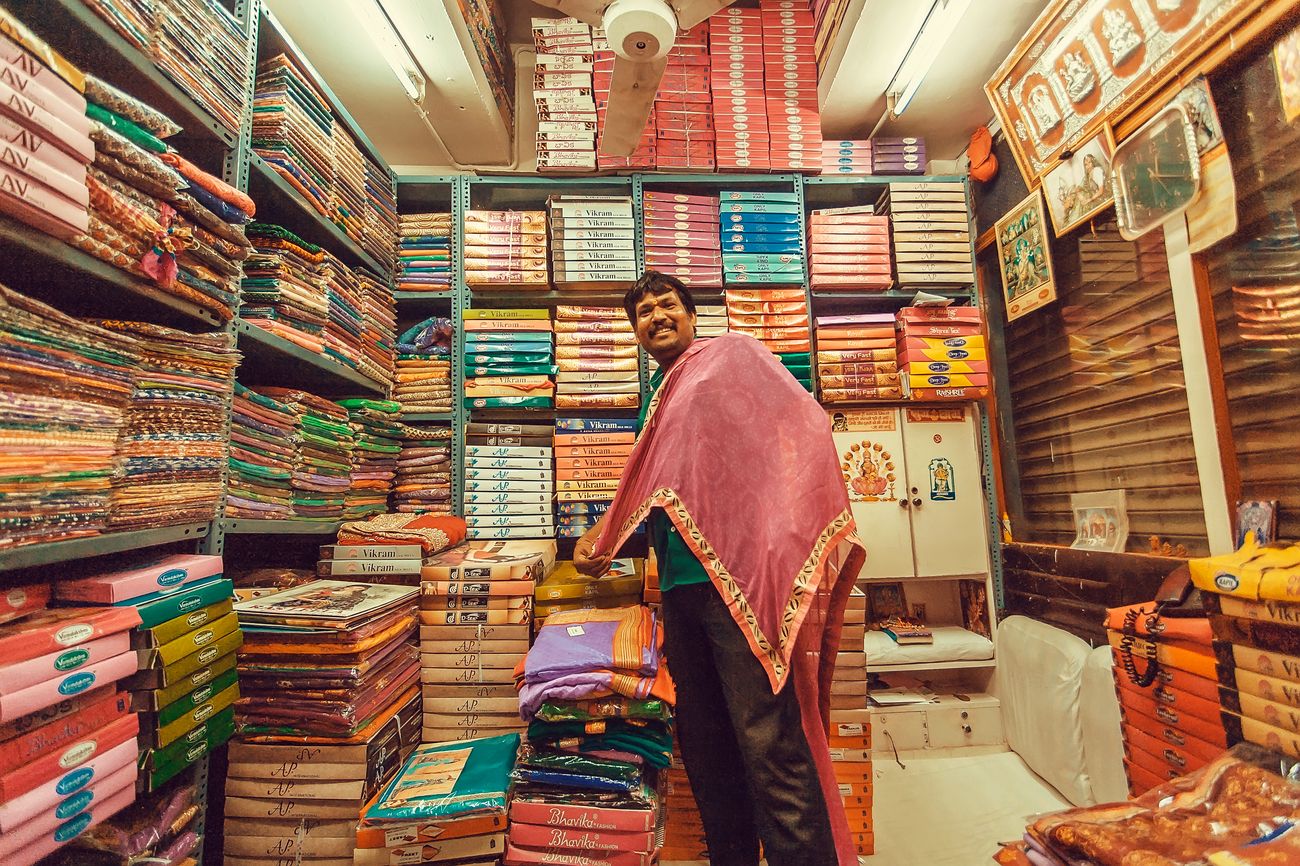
(1079, 188)
(1024, 255)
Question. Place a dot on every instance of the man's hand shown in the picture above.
(584, 553)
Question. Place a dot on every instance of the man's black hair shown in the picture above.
(655, 283)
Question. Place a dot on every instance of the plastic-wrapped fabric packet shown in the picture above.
(561, 779)
(102, 93)
(611, 707)
(447, 780)
(568, 762)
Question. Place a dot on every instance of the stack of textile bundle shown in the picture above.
(203, 48)
(857, 358)
(283, 291)
(593, 241)
(424, 253)
(682, 237)
(165, 825)
(508, 491)
(133, 19)
(172, 451)
(596, 357)
(846, 157)
(848, 248)
(790, 70)
(778, 318)
(262, 450)
(350, 203)
(70, 759)
(322, 460)
(292, 131)
(486, 500)
(143, 193)
(598, 700)
(423, 370)
(381, 216)
(931, 227)
(44, 90)
(434, 533)
(375, 446)
(475, 617)
(898, 155)
(379, 338)
(186, 640)
(683, 114)
(589, 459)
(1254, 608)
(1166, 679)
(509, 359)
(346, 324)
(942, 352)
(567, 589)
(761, 240)
(427, 815)
(505, 249)
(423, 482)
(67, 388)
(563, 94)
(736, 55)
(329, 665)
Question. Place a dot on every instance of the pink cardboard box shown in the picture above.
(21, 675)
(55, 629)
(66, 794)
(41, 695)
(73, 828)
(158, 577)
(98, 754)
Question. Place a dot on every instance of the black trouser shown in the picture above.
(744, 748)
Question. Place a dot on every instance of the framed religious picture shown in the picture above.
(1196, 100)
(1286, 63)
(1085, 63)
(1100, 520)
(1079, 188)
(885, 599)
(1024, 255)
(1156, 173)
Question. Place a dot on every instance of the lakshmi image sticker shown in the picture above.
(943, 486)
(1286, 62)
(869, 472)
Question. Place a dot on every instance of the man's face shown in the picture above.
(663, 326)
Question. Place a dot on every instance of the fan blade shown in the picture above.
(590, 12)
(692, 12)
(631, 97)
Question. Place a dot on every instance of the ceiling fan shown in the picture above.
(640, 32)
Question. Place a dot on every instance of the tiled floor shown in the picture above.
(953, 811)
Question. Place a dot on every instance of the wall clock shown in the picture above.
(1156, 173)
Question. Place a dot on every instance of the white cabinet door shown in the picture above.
(949, 528)
(870, 446)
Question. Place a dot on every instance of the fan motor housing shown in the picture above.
(640, 30)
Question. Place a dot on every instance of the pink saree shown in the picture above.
(741, 459)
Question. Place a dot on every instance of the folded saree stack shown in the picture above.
(172, 451)
(475, 615)
(1167, 683)
(66, 389)
(596, 357)
(375, 447)
(44, 111)
(263, 436)
(185, 644)
(154, 213)
(424, 253)
(447, 804)
(509, 359)
(423, 482)
(423, 368)
(350, 203)
(69, 760)
(346, 325)
(379, 336)
(381, 226)
(283, 290)
(322, 461)
(857, 358)
(292, 131)
(1251, 596)
(329, 709)
(590, 454)
(1235, 811)
(598, 700)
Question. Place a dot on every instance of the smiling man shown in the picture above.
(737, 478)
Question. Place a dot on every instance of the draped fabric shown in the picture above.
(740, 458)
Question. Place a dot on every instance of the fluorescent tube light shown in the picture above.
(394, 50)
(938, 27)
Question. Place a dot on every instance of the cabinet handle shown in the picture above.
(966, 729)
(903, 503)
(917, 503)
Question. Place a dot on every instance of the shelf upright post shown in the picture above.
(638, 221)
(460, 300)
(799, 183)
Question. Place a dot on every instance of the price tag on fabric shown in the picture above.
(576, 631)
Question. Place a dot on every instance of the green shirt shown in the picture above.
(677, 564)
